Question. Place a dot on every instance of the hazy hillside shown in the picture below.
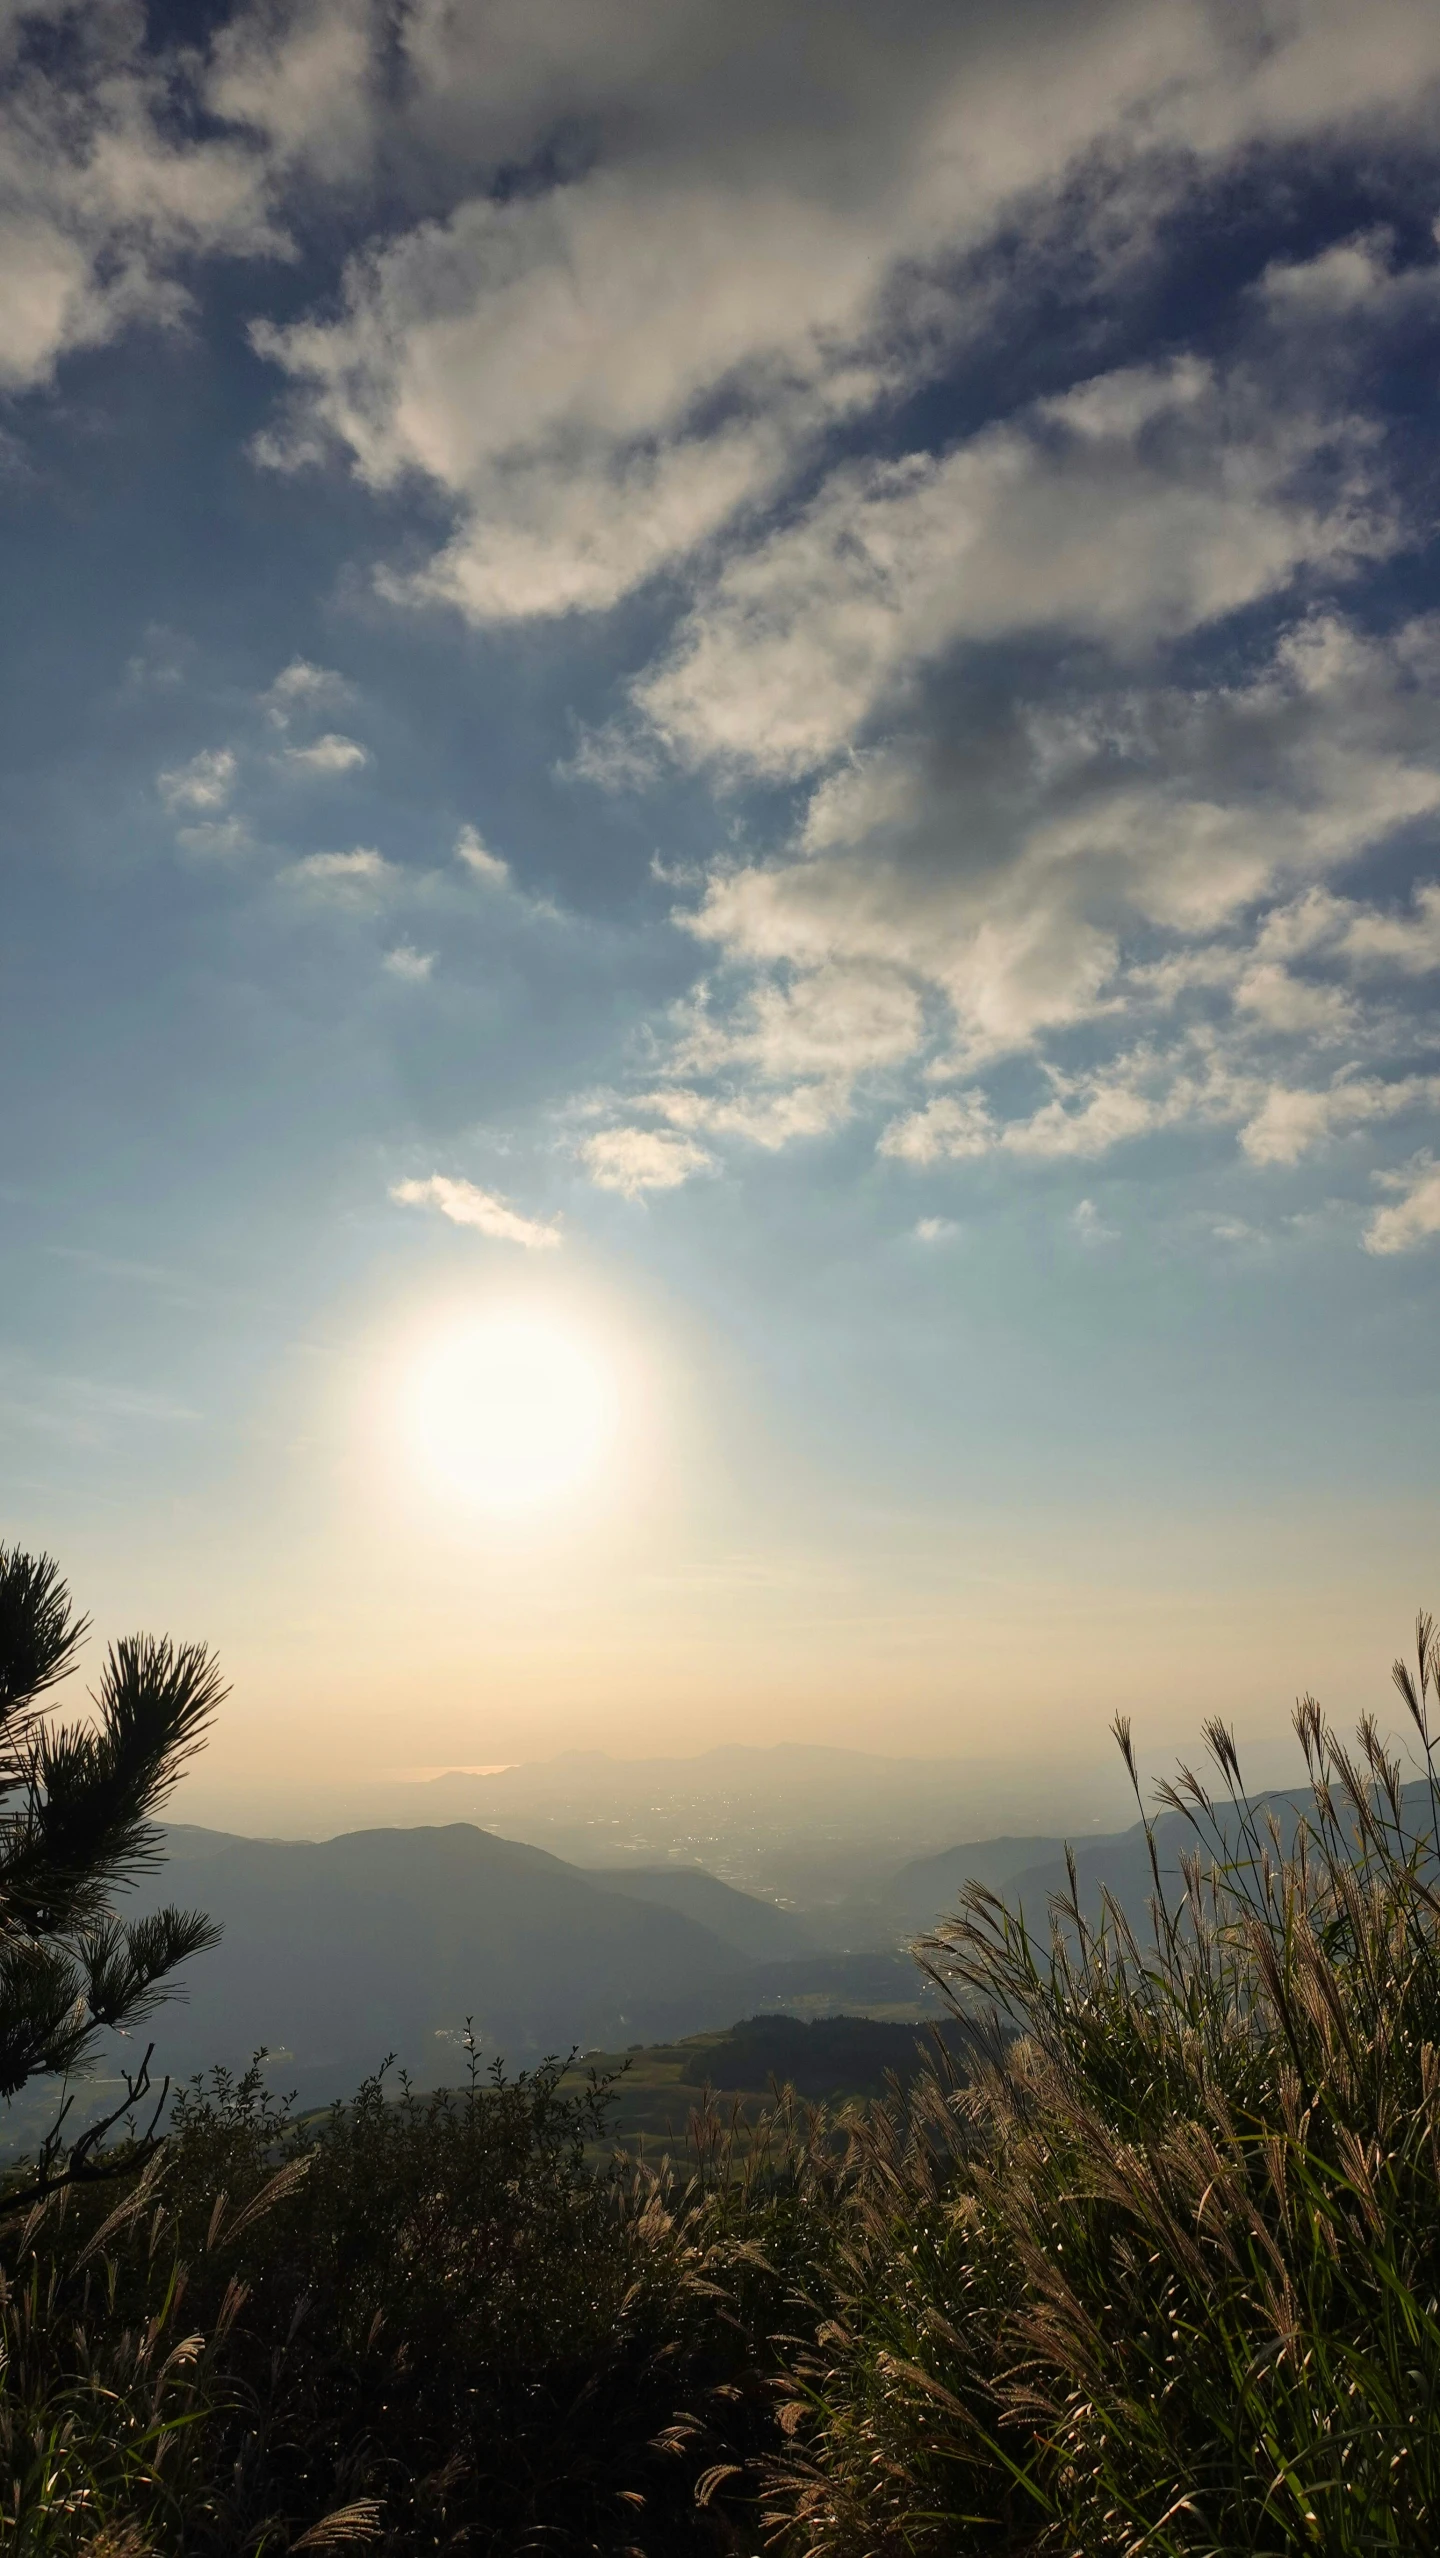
(340, 1951)
(753, 1927)
(1027, 1872)
(800, 1822)
(929, 1885)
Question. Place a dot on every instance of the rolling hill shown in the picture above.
(1028, 1872)
(337, 1952)
(340, 1951)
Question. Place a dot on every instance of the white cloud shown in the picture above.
(747, 247)
(411, 965)
(1087, 1222)
(945, 1131)
(478, 859)
(1144, 1091)
(1343, 282)
(932, 1230)
(767, 1119)
(362, 868)
(1125, 903)
(302, 686)
(784, 1061)
(1137, 507)
(1354, 287)
(976, 871)
(835, 1021)
(596, 316)
(204, 783)
(1151, 861)
(613, 758)
(107, 194)
(1092, 1113)
(302, 77)
(633, 1160)
(606, 375)
(465, 1205)
(1089, 1113)
(1286, 1002)
(1291, 1123)
(584, 545)
(1374, 939)
(1415, 1217)
(328, 755)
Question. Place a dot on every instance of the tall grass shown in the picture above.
(1154, 2267)
(1165, 2274)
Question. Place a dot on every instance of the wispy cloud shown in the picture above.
(1085, 755)
(475, 854)
(1188, 489)
(1087, 1223)
(220, 837)
(108, 199)
(205, 783)
(362, 868)
(83, 1411)
(1142, 912)
(947, 1130)
(465, 1205)
(492, 871)
(634, 1160)
(329, 754)
(1415, 1215)
(1291, 1123)
(144, 1274)
(411, 965)
(303, 687)
(712, 304)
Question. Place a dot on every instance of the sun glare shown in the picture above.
(512, 1411)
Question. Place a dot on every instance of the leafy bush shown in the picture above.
(426, 2316)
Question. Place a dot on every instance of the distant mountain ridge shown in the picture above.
(339, 1951)
(800, 1821)
(752, 1927)
(1029, 1872)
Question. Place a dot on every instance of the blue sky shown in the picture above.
(765, 679)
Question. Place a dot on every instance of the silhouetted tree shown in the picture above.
(76, 1806)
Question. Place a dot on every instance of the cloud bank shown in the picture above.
(1038, 623)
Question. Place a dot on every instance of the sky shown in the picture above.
(740, 702)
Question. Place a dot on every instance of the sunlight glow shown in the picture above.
(512, 1411)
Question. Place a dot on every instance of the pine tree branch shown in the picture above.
(82, 1826)
(39, 1638)
(86, 2162)
(44, 2016)
(91, 1788)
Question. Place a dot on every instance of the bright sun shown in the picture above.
(512, 1411)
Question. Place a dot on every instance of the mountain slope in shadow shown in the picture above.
(340, 1951)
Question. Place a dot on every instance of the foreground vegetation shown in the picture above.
(1154, 2266)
